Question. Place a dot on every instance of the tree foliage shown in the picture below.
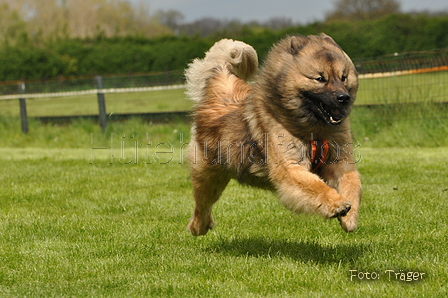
(360, 10)
(55, 38)
(77, 19)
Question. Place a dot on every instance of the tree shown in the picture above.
(88, 18)
(204, 27)
(278, 23)
(12, 27)
(40, 20)
(171, 18)
(359, 10)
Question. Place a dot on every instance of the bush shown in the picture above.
(365, 39)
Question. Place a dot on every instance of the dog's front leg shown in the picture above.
(350, 188)
(302, 191)
(345, 178)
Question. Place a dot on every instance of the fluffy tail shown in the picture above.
(237, 57)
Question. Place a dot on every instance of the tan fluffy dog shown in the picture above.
(288, 132)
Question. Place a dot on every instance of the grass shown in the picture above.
(117, 103)
(401, 125)
(425, 87)
(81, 222)
(413, 125)
(70, 228)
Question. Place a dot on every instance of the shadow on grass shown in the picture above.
(304, 251)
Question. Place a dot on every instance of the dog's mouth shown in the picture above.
(323, 108)
(333, 116)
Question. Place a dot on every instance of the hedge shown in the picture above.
(75, 57)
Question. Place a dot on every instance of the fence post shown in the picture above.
(101, 103)
(22, 103)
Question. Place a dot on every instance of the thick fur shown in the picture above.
(260, 133)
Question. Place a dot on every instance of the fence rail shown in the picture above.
(64, 84)
(403, 62)
(93, 91)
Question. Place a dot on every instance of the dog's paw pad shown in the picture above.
(342, 210)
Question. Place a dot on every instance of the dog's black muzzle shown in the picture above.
(330, 107)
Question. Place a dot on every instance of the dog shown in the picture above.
(287, 130)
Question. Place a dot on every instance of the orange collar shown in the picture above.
(319, 153)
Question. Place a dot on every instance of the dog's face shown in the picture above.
(317, 79)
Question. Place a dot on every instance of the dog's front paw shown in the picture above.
(342, 209)
(333, 204)
(199, 227)
(349, 222)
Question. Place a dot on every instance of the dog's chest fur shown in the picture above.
(247, 148)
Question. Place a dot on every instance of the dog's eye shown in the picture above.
(321, 79)
(344, 78)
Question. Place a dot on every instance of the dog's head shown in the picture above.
(313, 77)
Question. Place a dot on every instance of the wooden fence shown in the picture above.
(101, 96)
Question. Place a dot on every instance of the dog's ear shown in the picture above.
(328, 39)
(297, 44)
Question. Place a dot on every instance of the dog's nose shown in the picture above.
(343, 97)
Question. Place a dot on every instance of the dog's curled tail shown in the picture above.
(237, 57)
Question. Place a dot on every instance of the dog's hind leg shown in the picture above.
(207, 188)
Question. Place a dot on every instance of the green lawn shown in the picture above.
(117, 103)
(81, 222)
(425, 87)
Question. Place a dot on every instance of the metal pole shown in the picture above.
(22, 103)
(101, 103)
